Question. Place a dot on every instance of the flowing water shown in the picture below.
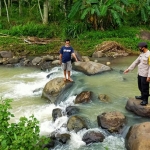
(24, 86)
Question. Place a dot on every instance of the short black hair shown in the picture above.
(142, 44)
(67, 40)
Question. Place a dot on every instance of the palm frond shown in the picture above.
(103, 10)
(75, 8)
(143, 15)
(116, 17)
(85, 12)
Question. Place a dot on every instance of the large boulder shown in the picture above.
(112, 121)
(93, 137)
(134, 106)
(138, 137)
(76, 123)
(90, 67)
(54, 89)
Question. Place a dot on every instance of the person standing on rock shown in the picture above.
(143, 63)
(66, 52)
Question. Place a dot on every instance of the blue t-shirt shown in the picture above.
(66, 53)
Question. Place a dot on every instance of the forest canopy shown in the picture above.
(89, 14)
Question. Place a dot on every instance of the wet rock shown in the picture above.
(104, 98)
(83, 97)
(13, 60)
(63, 138)
(6, 54)
(56, 113)
(48, 76)
(36, 61)
(71, 110)
(93, 137)
(138, 137)
(98, 54)
(54, 88)
(45, 65)
(134, 106)
(56, 62)
(90, 67)
(37, 90)
(85, 58)
(48, 58)
(76, 123)
(112, 121)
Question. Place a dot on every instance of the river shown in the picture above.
(24, 85)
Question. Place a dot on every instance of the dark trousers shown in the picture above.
(143, 86)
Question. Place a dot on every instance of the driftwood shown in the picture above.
(3, 35)
(36, 42)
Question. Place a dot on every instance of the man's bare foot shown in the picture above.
(65, 79)
(70, 80)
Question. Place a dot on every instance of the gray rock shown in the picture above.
(90, 68)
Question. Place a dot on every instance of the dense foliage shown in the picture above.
(79, 15)
(23, 135)
(86, 22)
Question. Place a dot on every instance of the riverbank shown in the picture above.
(84, 43)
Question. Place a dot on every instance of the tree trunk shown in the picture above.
(45, 13)
(20, 8)
(7, 11)
(40, 10)
(0, 8)
(95, 21)
(9, 4)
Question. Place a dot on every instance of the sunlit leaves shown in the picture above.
(20, 136)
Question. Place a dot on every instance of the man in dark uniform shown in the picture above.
(143, 63)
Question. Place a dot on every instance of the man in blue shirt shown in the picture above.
(65, 59)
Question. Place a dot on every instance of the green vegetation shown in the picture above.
(86, 22)
(22, 135)
(84, 43)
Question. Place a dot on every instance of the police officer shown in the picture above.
(143, 63)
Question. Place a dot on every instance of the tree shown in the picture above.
(112, 12)
(89, 10)
(99, 12)
(45, 12)
(0, 8)
(7, 11)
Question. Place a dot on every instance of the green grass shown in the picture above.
(85, 43)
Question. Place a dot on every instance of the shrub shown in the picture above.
(23, 135)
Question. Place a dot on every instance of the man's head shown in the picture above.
(142, 46)
(67, 42)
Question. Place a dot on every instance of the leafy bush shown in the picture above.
(32, 29)
(120, 33)
(23, 135)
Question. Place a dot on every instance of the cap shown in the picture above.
(142, 44)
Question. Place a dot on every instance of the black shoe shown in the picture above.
(138, 97)
(144, 103)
